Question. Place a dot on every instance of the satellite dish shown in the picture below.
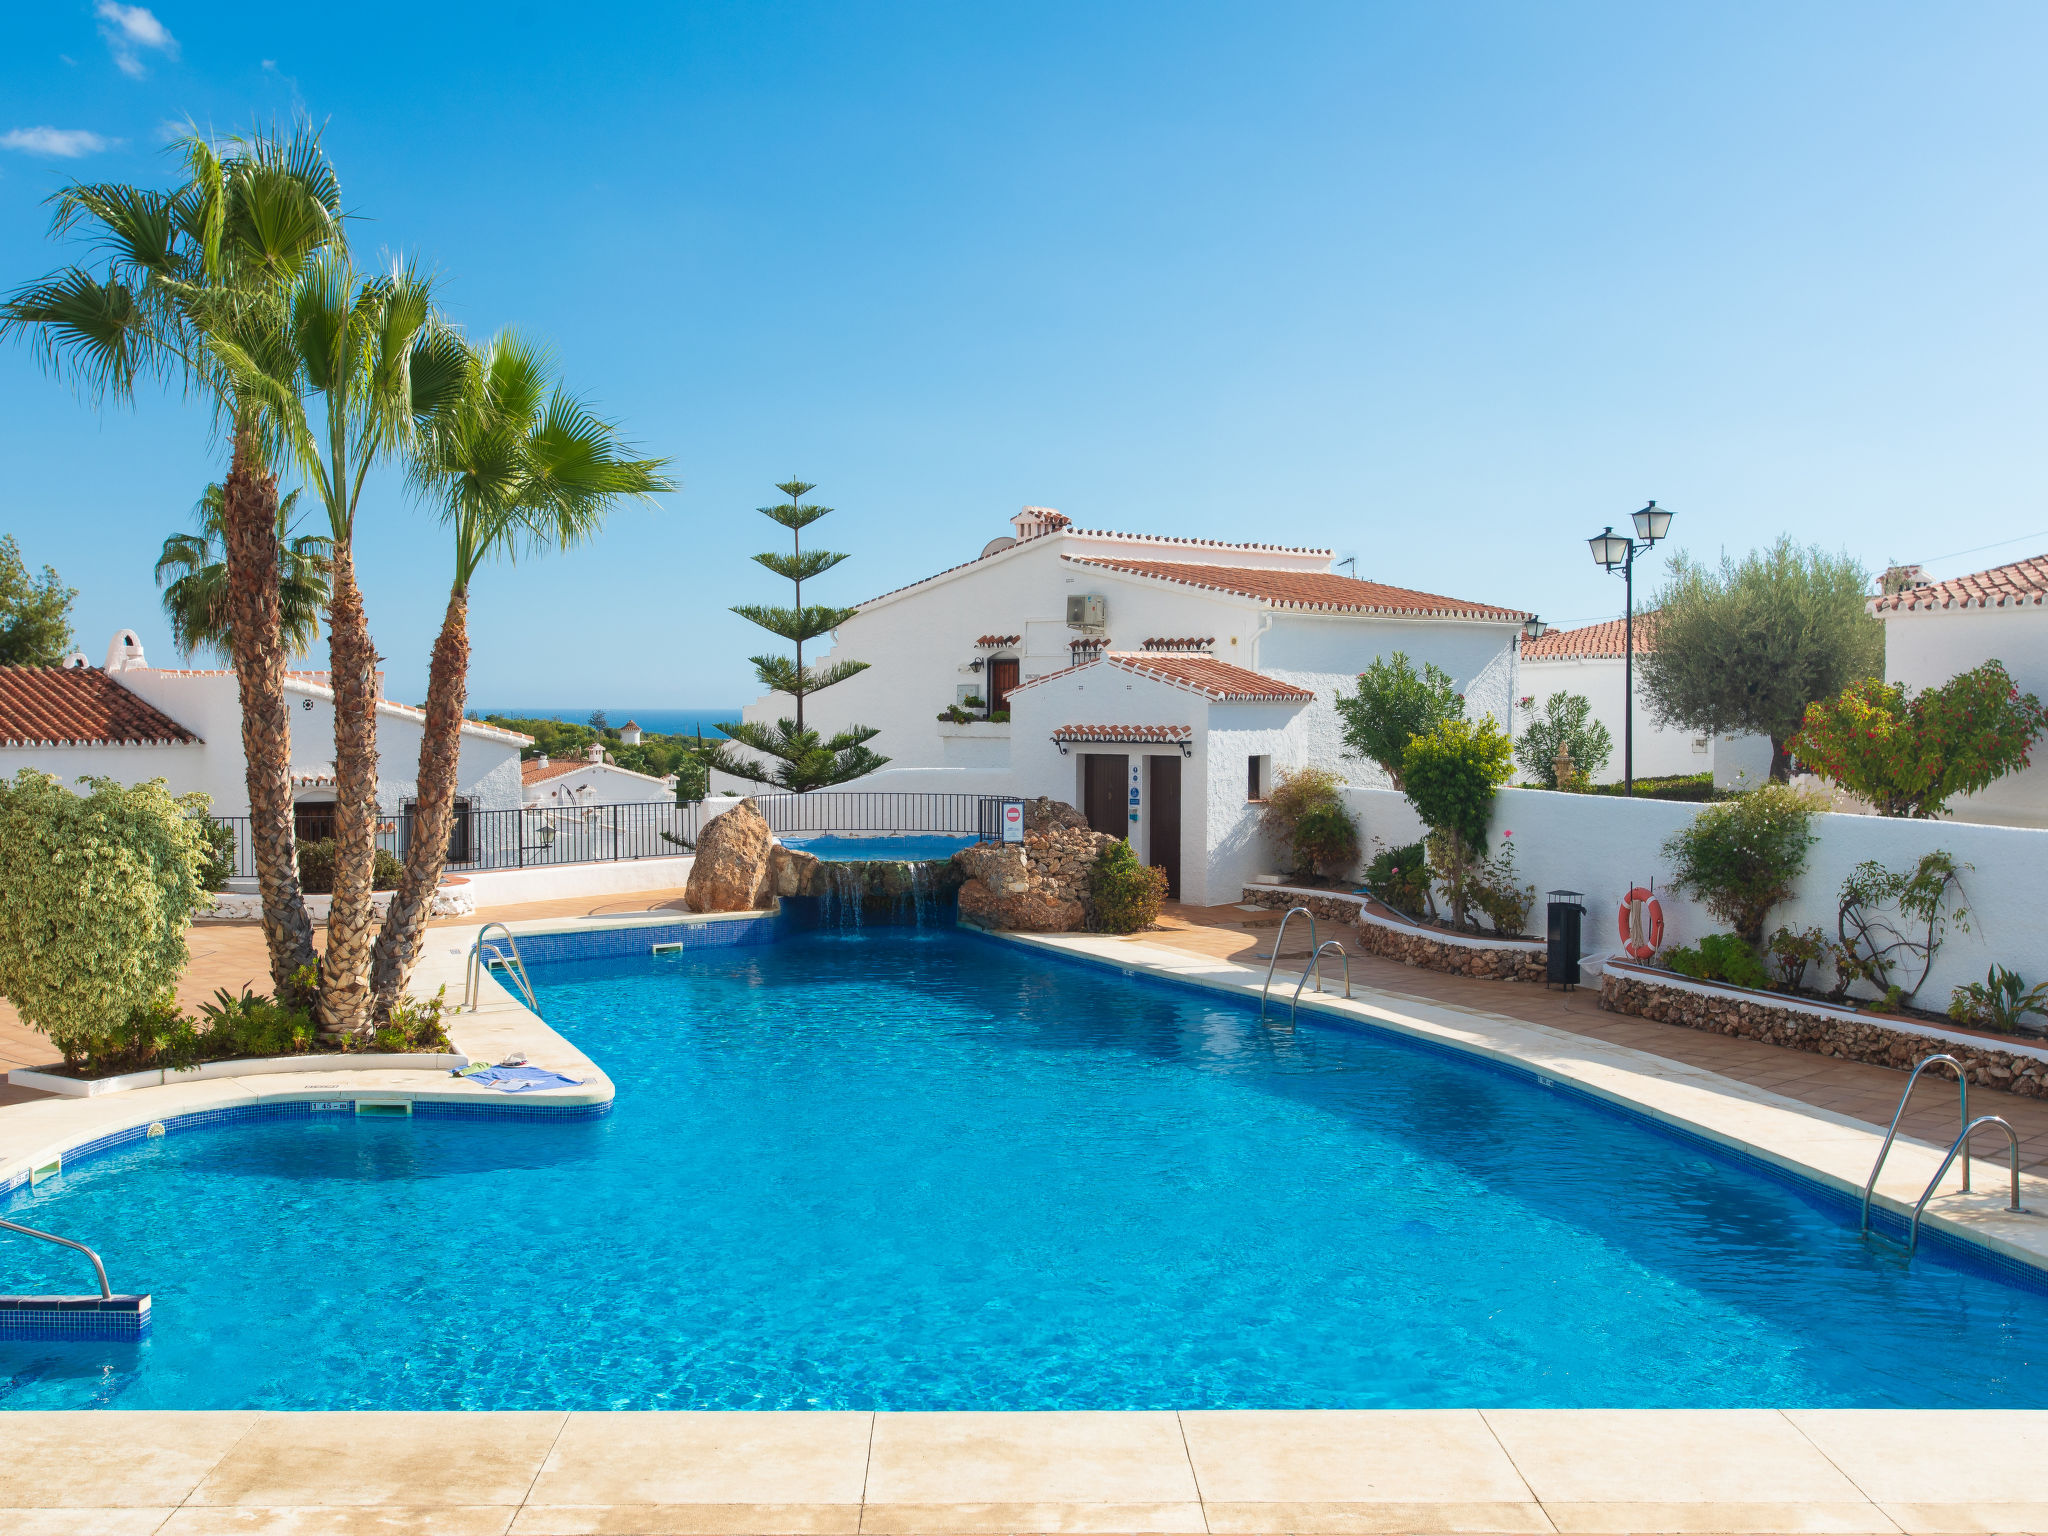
(996, 546)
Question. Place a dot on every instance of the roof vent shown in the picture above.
(1035, 521)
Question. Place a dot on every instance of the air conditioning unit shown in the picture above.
(1087, 612)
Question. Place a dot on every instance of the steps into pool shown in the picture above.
(117, 1318)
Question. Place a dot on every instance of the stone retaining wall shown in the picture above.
(1821, 1032)
(1039, 885)
(1386, 934)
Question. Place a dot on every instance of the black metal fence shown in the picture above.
(540, 836)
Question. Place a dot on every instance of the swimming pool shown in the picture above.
(929, 1170)
(836, 848)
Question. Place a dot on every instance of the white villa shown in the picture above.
(1160, 683)
(1588, 662)
(565, 783)
(1938, 629)
(130, 721)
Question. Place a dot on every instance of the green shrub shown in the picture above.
(1671, 786)
(1720, 957)
(1326, 838)
(2001, 1001)
(96, 891)
(1298, 791)
(1741, 857)
(1395, 704)
(316, 868)
(250, 1025)
(1792, 953)
(1452, 775)
(1400, 878)
(1926, 897)
(1499, 893)
(218, 865)
(1567, 721)
(1126, 893)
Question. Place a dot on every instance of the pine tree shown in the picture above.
(803, 759)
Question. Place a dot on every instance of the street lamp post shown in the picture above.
(1617, 552)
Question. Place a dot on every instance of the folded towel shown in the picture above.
(518, 1079)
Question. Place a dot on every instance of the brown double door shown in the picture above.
(1103, 800)
(1002, 677)
(1162, 815)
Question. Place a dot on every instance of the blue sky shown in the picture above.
(1445, 286)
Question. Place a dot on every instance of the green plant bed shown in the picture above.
(1673, 786)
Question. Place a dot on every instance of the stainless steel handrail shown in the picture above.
(1315, 963)
(471, 992)
(1279, 939)
(1962, 1118)
(1962, 1145)
(106, 1290)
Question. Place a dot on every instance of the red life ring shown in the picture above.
(1641, 943)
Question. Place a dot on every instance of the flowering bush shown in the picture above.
(1910, 753)
(1741, 857)
(1400, 877)
(1497, 891)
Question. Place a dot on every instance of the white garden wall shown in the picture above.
(1602, 845)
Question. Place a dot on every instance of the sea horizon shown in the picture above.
(663, 722)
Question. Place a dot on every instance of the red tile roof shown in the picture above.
(1188, 643)
(534, 771)
(998, 640)
(2022, 584)
(78, 706)
(1127, 733)
(1595, 640)
(1099, 533)
(1205, 675)
(1315, 591)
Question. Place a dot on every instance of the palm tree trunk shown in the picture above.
(344, 1004)
(433, 811)
(249, 529)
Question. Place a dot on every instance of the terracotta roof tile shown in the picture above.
(1595, 640)
(1205, 675)
(998, 640)
(1315, 591)
(534, 771)
(1130, 733)
(2022, 584)
(57, 706)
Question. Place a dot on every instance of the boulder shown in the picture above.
(734, 869)
(1020, 911)
(795, 873)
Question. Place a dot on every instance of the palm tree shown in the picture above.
(337, 376)
(517, 466)
(180, 271)
(193, 572)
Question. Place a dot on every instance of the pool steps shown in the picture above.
(123, 1318)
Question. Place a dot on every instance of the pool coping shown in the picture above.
(1826, 1152)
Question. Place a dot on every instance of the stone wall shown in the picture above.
(1383, 932)
(1820, 1031)
(1040, 885)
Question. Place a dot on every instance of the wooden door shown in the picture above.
(1162, 814)
(1102, 792)
(1002, 677)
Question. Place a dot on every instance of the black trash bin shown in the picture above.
(1561, 960)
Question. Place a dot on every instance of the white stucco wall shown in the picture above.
(1924, 649)
(1660, 749)
(1603, 845)
(182, 767)
(597, 784)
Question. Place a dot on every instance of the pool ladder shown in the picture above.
(99, 1269)
(1315, 961)
(1961, 1145)
(491, 957)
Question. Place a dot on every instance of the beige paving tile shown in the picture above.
(134, 1460)
(1029, 1458)
(404, 1460)
(1370, 1519)
(781, 1459)
(82, 1522)
(1339, 1457)
(1722, 1457)
(1906, 1457)
(1974, 1519)
(330, 1520)
(1095, 1519)
(687, 1520)
(1709, 1518)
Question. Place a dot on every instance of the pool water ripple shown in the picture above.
(910, 1170)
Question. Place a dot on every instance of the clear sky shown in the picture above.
(1444, 286)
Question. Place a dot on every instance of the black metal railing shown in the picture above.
(540, 836)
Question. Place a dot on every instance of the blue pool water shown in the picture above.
(927, 1170)
(837, 849)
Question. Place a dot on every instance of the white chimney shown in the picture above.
(597, 751)
(1034, 521)
(124, 651)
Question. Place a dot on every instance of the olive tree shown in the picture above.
(1746, 647)
(96, 891)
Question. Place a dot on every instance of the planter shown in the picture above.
(253, 1066)
(452, 899)
(1821, 1029)
(1384, 932)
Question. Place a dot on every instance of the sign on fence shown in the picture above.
(1013, 821)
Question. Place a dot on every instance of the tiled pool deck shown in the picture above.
(311, 1474)
(640, 1474)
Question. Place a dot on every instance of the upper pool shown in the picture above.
(840, 848)
(922, 1171)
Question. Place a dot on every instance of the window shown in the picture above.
(1255, 778)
